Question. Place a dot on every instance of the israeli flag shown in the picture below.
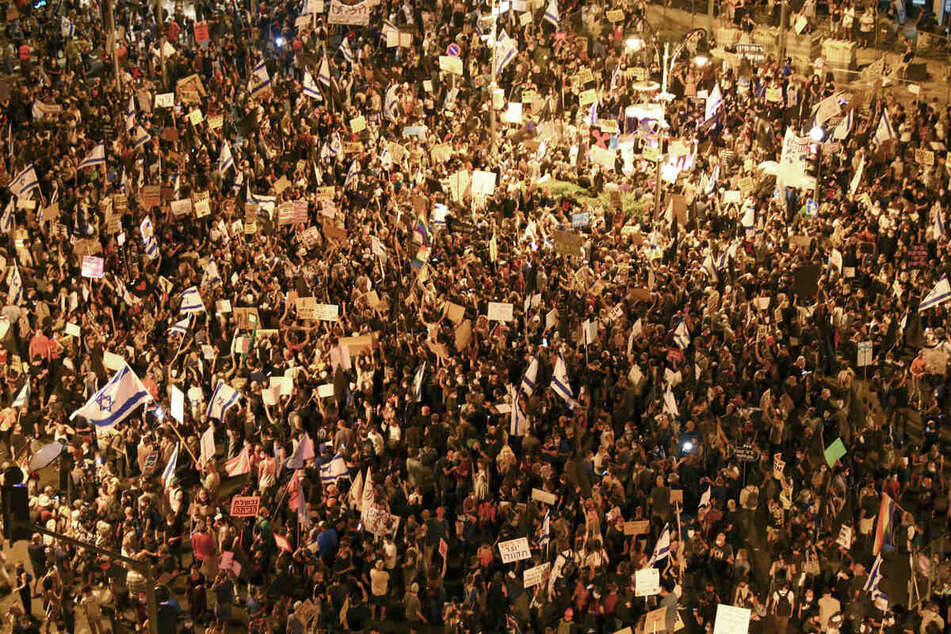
(222, 399)
(225, 159)
(845, 126)
(505, 51)
(874, 576)
(66, 27)
(96, 157)
(146, 229)
(23, 397)
(124, 293)
(670, 404)
(418, 382)
(168, 475)
(180, 327)
(323, 73)
(345, 49)
(705, 498)
(938, 295)
(302, 453)
(713, 103)
(710, 268)
(15, 286)
(6, 221)
(531, 374)
(24, 182)
(352, 175)
(662, 547)
(260, 80)
(141, 137)
(560, 383)
(191, 301)
(333, 471)
(390, 102)
(884, 131)
(518, 425)
(310, 88)
(130, 115)
(115, 401)
(551, 13)
(211, 276)
(682, 336)
(937, 226)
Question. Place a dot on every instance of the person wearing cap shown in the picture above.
(412, 607)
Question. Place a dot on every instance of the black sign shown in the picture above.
(746, 453)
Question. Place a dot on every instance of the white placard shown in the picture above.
(845, 537)
(646, 582)
(73, 330)
(284, 383)
(92, 266)
(325, 391)
(483, 183)
(544, 496)
(327, 312)
(223, 306)
(165, 100)
(731, 620)
(112, 361)
(500, 311)
(514, 550)
(533, 576)
(178, 404)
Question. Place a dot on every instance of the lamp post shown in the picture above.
(492, 123)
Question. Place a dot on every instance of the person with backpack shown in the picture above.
(782, 604)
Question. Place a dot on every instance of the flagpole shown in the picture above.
(492, 124)
(184, 444)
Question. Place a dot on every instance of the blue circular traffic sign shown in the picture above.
(453, 50)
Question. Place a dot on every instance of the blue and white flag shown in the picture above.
(124, 293)
(390, 102)
(418, 382)
(938, 295)
(115, 401)
(191, 301)
(6, 221)
(15, 286)
(662, 547)
(670, 404)
(531, 374)
(937, 221)
(333, 471)
(710, 268)
(682, 336)
(345, 49)
(66, 27)
(560, 382)
(146, 228)
(260, 80)
(141, 137)
(24, 182)
(874, 575)
(545, 539)
(168, 475)
(551, 13)
(302, 453)
(518, 425)
(225, 160)
(884, 131)
(130, 115)
(713, 103)
(23, 397)
(505, 51)
(310, 88)
(95, 157)
(211, 276)
(845, 126)
(352, 175)
(180, 327)
(222, 399)
(323, 73)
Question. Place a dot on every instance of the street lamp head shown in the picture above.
(701, 60)
(817, 134)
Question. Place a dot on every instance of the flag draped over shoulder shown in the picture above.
(115, 401)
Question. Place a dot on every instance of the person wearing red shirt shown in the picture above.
(205, 550)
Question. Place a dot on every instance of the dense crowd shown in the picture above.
(333, 348)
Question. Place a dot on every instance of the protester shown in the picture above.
(338, 331)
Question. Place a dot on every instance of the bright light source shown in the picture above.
(688, 446)
(701, 60)
(279, 42)
(817, 134)
(634, 43)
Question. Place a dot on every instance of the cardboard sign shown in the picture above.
(568, 243)
(325, 391)
(544, 496)
(306, 308)
(223, 306)
(845, 537)
(637, 527)
(514, 550)
(92, 267)
(215, 121)
(327, 312)
(615, 15)
(449, 64)
(924, 157)
(462, 335)
(202, 205)
(112, 361)
(646, 582)
(246, 317)
(534, 576)
(324, 193)
(731, 620)
(358, 124)
(245, 506)
(677, 496)
(500, 311)
(151, 196)
(587, 97)
(165, 100)
(455, 312)
(834, 452)
(181, 207)
(73, 330)
(363, 344)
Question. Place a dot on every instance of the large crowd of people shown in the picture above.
(340, 328)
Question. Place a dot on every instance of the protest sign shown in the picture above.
(245, 506)
(568, 242)
(350, 13)
(450, 64)
(514, 550)
(544, 496)
(500, 311)
(533, 576)
(326, 312)
(92, 266)
(112, 361)
(845, 537)
(637, 527)
(72, 330)
(834, 452)
(731, 620)
(483, 183)
(646, 582)
(201, 31)
(177, 409)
